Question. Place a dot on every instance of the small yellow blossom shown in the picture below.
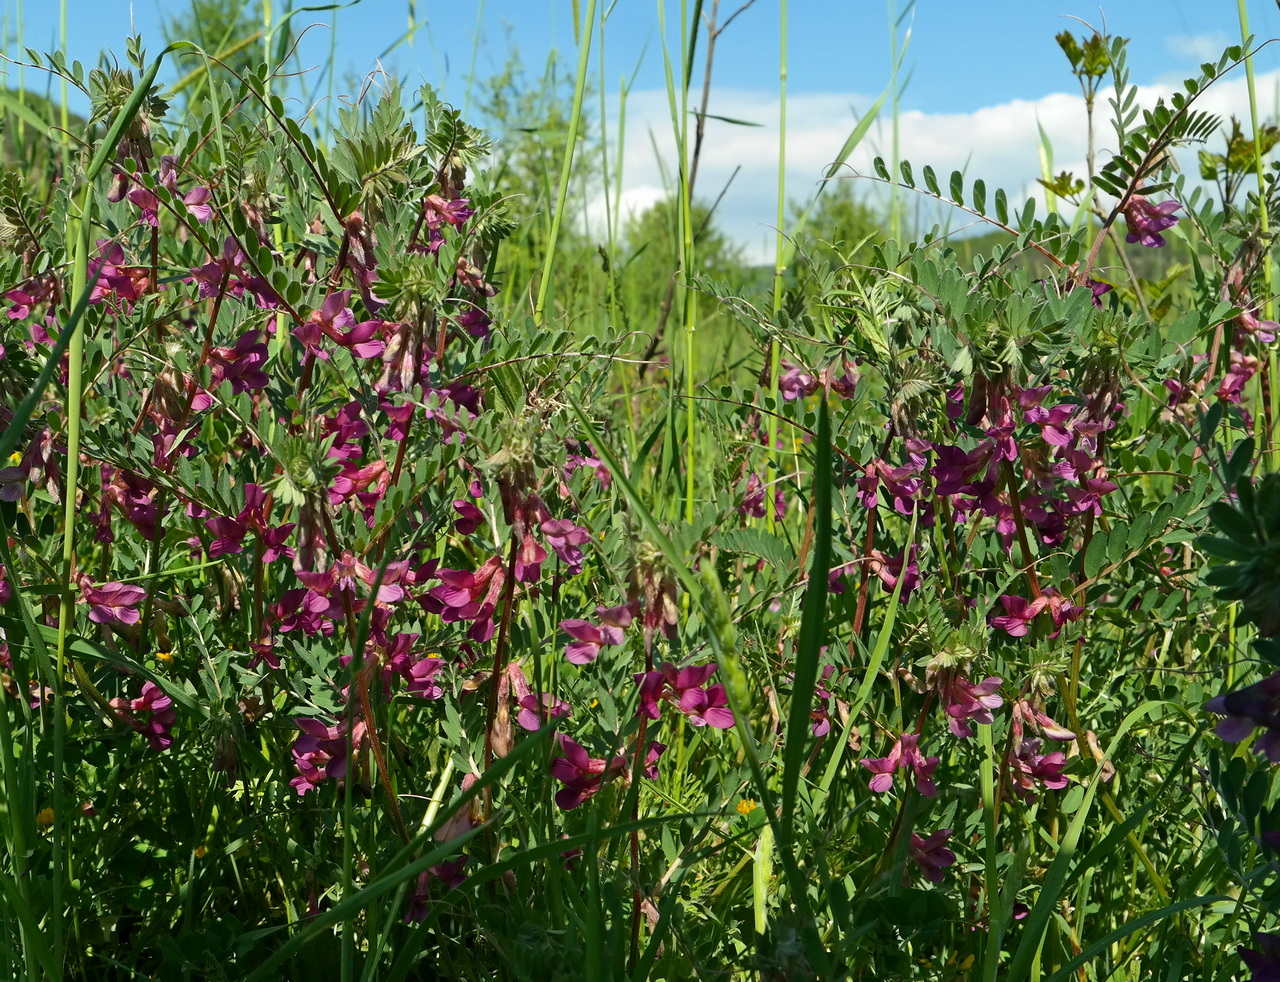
(44, 817)
(200, 851)
(15, 459)
(747, 805)
(164, 656)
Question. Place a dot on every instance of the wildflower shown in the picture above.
(581, 774)
(112, 603)
(1027, 766)
(151, 714)
(147, 204)
(905, 755)
(890, 570)
(449, 873)
(565, 539)
(320, 752)
(1146, 221)
(704, 707)
(964, 701)
(196, 201)
(536, 708)
(165, 657)
(821, 713)
(1255, 707)
(1018, 614)
(330, 319)
(470, 517)
(241, 364)
(932, 855)
(1027, 714)
(466, 596)
(747, 805)
(752, 504)
(45, 817)
(795, 383)
(588, 638)
(1264, 960)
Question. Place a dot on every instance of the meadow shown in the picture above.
(404, 577)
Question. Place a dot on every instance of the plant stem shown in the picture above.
(566, 165)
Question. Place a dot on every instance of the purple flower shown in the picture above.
(566, 540)
(197, 204)
(241, 364)
(112, 603)
(795, 383)
(581, 774)
(320, 753)
(1146, 221)
(151, 714)
(1018, 614)
(470, 517)
(705, 707)
(1254, 707)
(932, 854)
(1264, 959)
(890, 570)
(1027, 767)
(588, 639)
(964, 701)
(905, 755)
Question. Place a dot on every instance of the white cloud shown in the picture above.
(1198, 47)
(997, 143)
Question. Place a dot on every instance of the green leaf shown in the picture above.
(813, 620)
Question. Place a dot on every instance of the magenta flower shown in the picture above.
(112, 603)
(438, 212)
(905, 755)
(964, 701)
(1263, 960)
(588, 639)
(821, 713)
(1018, 614)
(795, 383)
(331, 319)
(932, 854)
(475, 322)
(1255, 707)
(147, 204)
(1146, 221)
(151, 714)
(752, 503)
(707, 707)
(566, 540)
(466, 596)
(469, 518)
(320, 753)
(241, 364)
(889, 570)
(197, 204)
(704, 707)
(536, 708)
(581, 774)
(1027, 767)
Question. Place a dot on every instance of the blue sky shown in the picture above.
(963, 55)
(982, 74)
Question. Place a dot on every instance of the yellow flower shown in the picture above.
(44, 817)
(15, 459)
(200, 851)
(747, 805)
(164, 656)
